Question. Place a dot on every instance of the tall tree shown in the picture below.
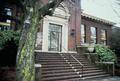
(34, 12)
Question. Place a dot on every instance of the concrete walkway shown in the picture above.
(115, 78)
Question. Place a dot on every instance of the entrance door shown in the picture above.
(55, 37)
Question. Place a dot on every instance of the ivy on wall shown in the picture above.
(105, 53)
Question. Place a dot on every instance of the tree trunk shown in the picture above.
(25, 58)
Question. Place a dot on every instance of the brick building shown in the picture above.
(69, 28)
(95, 30)
(10, 14)
(60, 32)
(61, 40)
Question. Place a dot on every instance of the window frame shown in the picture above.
(83, 35)
(94, 36)
(59, 33)
(103, 40)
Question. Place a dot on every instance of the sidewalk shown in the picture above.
(115, 78)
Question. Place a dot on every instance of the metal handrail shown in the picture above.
(76, 60)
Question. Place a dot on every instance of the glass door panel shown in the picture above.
(55, 37)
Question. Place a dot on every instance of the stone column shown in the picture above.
(38, 72)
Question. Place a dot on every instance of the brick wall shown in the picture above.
(74, 24)
(99, 25)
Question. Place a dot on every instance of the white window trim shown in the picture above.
(55, 20)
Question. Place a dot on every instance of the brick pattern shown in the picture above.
(90, 23)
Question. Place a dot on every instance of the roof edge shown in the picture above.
(97, 19)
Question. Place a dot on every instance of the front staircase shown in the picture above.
(66, 67)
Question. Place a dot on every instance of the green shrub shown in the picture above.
(105, 54)
(8, 36)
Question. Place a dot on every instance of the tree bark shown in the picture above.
(25, 59)
(25, 55)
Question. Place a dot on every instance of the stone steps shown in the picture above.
(62, 67)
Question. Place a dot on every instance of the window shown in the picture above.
(103, 37)
(55, 37)
(93, 35)
(3, 28)
(83, 34)
(9, 13)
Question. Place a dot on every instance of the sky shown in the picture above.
(105, 9)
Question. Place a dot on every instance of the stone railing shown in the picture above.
(94, 59)
(107, 66)
(38, 72)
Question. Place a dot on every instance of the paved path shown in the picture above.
(104, 79)
(115, 78)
